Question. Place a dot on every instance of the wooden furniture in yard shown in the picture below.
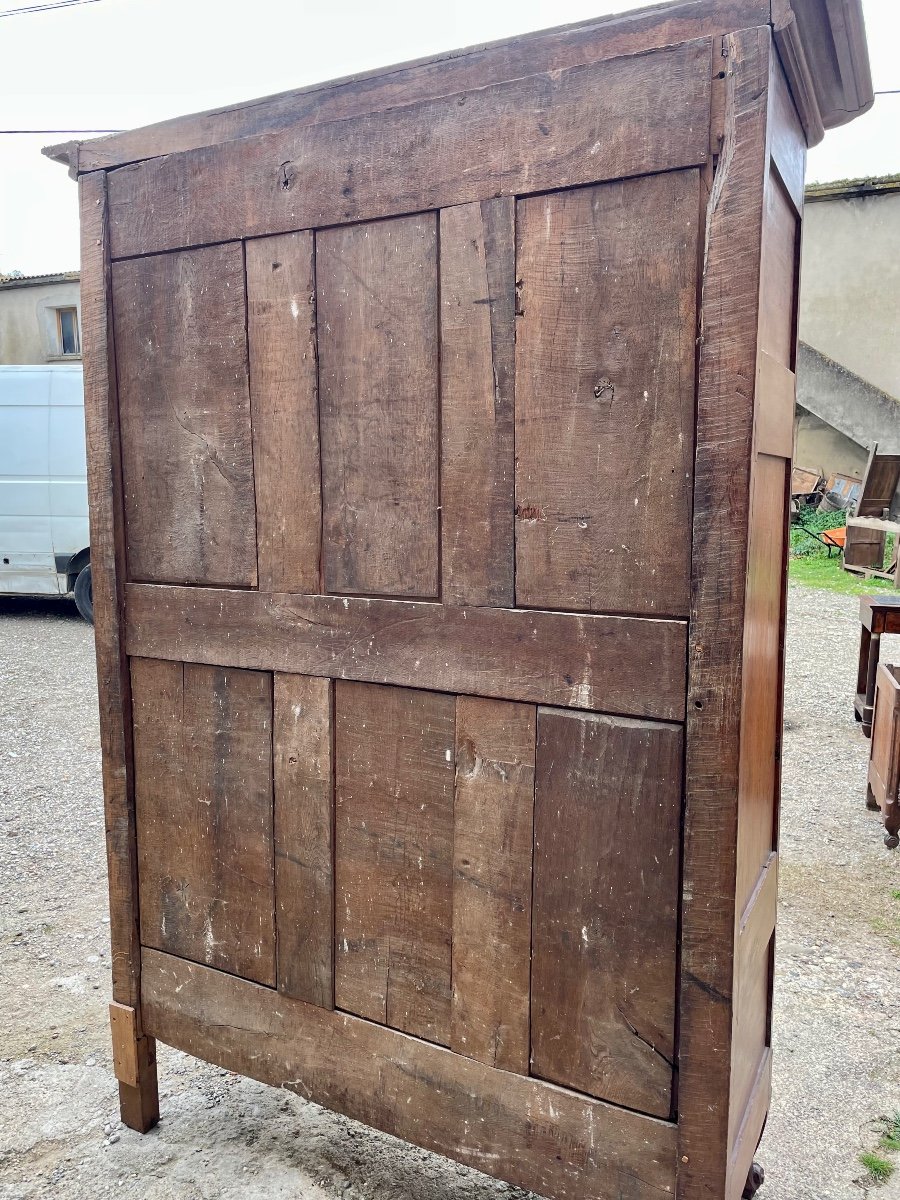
(867, 529)
(432, 794)
(878, 614)
(883, 790)
(865, 540)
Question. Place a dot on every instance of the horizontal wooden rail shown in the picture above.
(634, 666)
(529, 1132)
(604, 120)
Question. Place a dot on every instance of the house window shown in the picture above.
(67, 331)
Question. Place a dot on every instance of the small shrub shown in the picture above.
(890, 1139)
(878, 1169)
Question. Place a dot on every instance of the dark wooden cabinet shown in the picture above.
(440, 426)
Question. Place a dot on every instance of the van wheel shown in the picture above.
(84, 594)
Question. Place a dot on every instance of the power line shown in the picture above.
(17, 12)
(8, 132)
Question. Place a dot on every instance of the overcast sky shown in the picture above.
(116, 64)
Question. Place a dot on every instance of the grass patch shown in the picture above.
(878, 1169)
(890, 1139)
(812, 566)
(819, 571)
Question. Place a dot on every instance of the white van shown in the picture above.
(44, 542)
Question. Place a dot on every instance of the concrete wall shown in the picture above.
(850, 285)
(28, 328)
(819, 447)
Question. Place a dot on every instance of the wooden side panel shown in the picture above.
(304, 818)
(759, 778)
(523, 1130)
(203, 786)
(478, 272)
(780, 259)
(394, 751)
(492, 879)
(184, 408)
(618, 664)
(729, 320)
(281, 328)
(753, 980)
(378, 355)
(761, 702)
(607, 120)
(883, 756)
(605, 395)
(605, 915)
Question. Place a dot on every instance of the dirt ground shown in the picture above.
(837, 1011)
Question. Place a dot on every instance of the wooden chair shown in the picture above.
(884, 754)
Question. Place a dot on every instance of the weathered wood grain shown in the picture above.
(478, 273)
(378, 378)
(138, 1095)
(184, 408)
(759, 775)
(108, 572)
(607, 814)
(606, 120)
(393, 856)
(523, 1130)
(493, 822)
(628, 665)
(203, 792)
(729, 317)
(372, 91)
(304, 840)
(281, 331)
(605, 395)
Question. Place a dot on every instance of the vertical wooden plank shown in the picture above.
(607, 810)
(759, 776)
(138, 1096)
(184, 406)
(107, 570)
(478, 274)
(378, 379)
(123, 1027)
(761, 693)
(607, 280)
(203, 788)
(304, 879)
(393, 856)
(778, 275)
(493, 823)
(729, 315)
(281, 331)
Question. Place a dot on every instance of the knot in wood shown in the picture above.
(604, 388)
(287, 174)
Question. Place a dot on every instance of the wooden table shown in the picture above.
(878, 615)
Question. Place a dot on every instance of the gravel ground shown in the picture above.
(837, 1000)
